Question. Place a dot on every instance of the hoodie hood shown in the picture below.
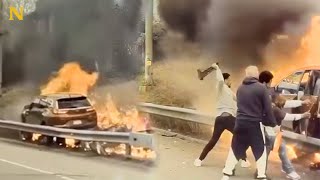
(250, 80)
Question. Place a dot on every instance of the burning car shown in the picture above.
(303, 84)
(63, 110)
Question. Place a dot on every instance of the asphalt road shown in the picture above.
(20, 161)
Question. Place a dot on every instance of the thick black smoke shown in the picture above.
(185, 16)
(236, 31)
(92, 32)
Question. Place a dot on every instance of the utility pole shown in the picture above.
(1, 42)
(148, 43)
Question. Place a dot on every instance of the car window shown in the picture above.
(43, 104)
(35, 101)
(316, 90)
(291, 84)
(46, 102)
(68, 103)
(36, 106)
(305, 82)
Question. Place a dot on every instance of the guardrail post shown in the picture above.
(128, 150)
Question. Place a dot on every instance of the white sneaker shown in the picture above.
(225, 177)
(294, 176)
(245, 163)
(197, 163)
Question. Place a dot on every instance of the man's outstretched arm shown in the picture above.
(296, 103)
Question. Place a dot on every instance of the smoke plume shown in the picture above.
(98, 34)
(185, 16)
(236, 31)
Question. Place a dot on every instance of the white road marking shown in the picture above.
(35, 169)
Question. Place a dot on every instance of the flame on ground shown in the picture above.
(308, 53)
(291, 152)
(317, 157)
(70, 143)
(137, 152)
(35, 136)
(109, 115)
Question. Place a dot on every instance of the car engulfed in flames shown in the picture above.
(76, 85)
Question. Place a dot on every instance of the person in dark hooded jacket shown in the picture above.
(254, 112)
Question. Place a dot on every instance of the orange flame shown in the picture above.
(35, 136)
(291, 152)
(306, 55)
(71, 78)
(317, 157)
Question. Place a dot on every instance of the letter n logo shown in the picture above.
(14, 11)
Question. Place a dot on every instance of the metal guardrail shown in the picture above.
(198, 117)
(133, 139)
(176, 112)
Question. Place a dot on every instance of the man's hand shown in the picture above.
(306, 102)
(277, 129)
(215, 66)
(306, 115)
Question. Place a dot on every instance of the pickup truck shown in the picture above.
(304, 83)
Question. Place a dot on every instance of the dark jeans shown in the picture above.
(222, 123)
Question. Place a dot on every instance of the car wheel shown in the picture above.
(25, 136)
(45, 140)
(61, 141)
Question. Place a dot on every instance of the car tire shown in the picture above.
(25, 136)
(61, 141)
(45, 140)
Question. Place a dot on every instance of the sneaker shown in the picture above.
(225, 177)
(294, 176)
(197, 163)
(262, 178)
(245, 163)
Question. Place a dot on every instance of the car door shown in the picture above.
(293, 87)
(314, 122)
(34, 115)
(290, 86)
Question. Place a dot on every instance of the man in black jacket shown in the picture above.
(254, 112)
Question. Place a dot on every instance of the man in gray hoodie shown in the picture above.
(254, 112)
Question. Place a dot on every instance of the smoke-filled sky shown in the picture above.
(237, 33)
(234, 30)
(86, 31)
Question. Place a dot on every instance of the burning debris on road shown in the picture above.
(316, 165)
